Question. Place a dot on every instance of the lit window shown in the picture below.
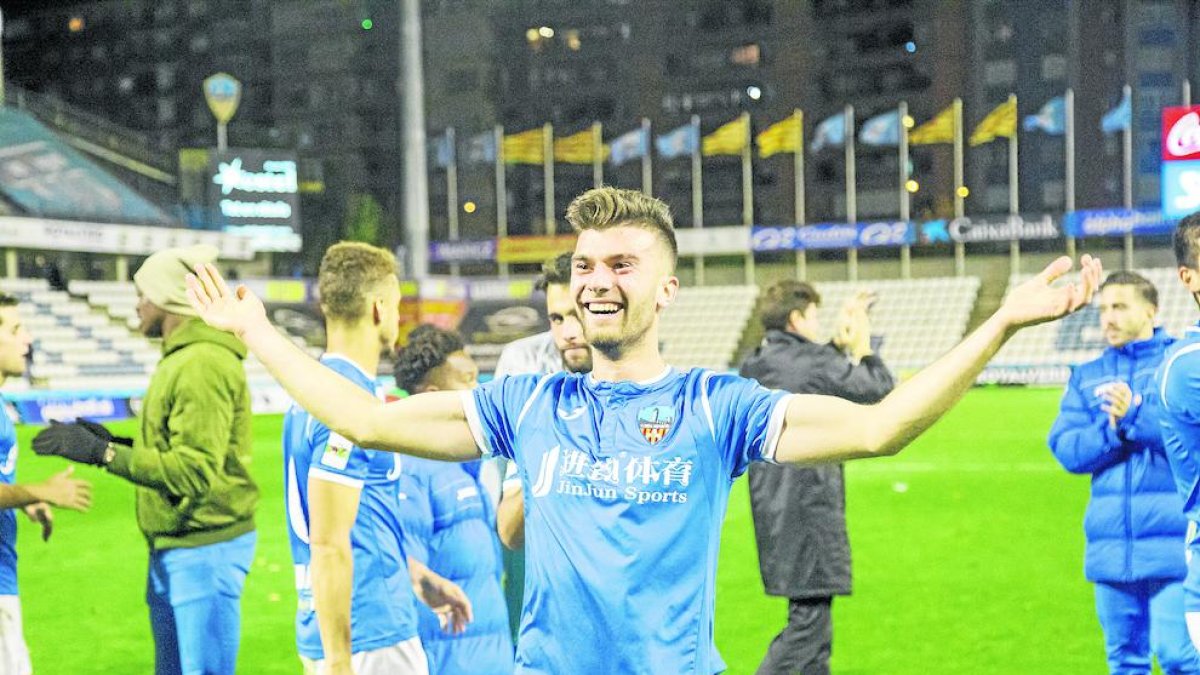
(75, 24)
(746, 55)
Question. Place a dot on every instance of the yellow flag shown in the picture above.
(1002, 121)
(728, 139)
(578, 149)
(524, 148)
(939, 129)
(783, 136)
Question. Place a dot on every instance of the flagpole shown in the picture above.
(747, 192)
(1014, 190)
(548, 175)
(1069, 166)
(597, 154)
(647, 168)
(452, 193)
(501, 192)
(798, 187)
(1127, 171)
(960, 251)
(697, 195)
(905, 197)
(1187, 92)
(851, 189)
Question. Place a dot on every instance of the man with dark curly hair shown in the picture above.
(449, 523)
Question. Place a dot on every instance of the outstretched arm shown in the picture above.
(824, 429)
(427, 425)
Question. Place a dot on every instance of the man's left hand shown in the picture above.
(1118, 398)
(71, 441)
(447, 600)
(43, 515)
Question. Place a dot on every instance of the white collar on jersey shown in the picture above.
(347, 359)
(644, 383)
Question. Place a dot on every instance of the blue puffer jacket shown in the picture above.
(1134, 522)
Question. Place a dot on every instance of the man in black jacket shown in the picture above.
(799, 513)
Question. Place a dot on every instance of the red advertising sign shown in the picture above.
(1181, 132)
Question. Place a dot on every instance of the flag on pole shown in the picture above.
(783, 136)
(830, 132)
(1117, 119)
(882, 129)
(630, 145)
(524, 148)
(728, 139)
(481, 148)
(679, 142)
(1001, 121)
(1050, 119)
(578, 148)
(443, 150)
(939, 129)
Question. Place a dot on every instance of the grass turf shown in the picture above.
(967, 559)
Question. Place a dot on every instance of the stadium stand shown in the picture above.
(704, 325)
(919, 319)
(118, 299)
(1078, 337)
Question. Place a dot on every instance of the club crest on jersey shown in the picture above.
(655, 421)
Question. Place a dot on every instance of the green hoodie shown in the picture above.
(192, 460)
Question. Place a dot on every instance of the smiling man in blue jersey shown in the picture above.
(1178, 389)
(356, 613)
(449, 522)
(627, 471)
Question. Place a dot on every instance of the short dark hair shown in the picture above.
(1187, 241)
(555, 271)
(427, 348)
(605, 207)
(1139, 282)
(784, 297)
(7, 300)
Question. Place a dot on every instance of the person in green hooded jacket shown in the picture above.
(195, 496)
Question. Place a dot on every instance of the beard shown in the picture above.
(613, 341)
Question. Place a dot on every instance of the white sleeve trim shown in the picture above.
(529, 402)
(1166, 372)
(471, 412)
(704, 380)
(775, 428)
(338, 478)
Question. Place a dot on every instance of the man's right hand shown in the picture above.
(234, 311)
(64, 491)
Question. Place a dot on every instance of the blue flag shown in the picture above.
(481, 148)
(882, 129)
(631, 145)
(443, 151)
(1117, 119)
(1051, 118)
(830, 132)
(679, 142)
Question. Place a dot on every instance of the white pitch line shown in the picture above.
(954, 467)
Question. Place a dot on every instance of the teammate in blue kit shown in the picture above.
(627, 471)
(449, 521)
(33, 498)
(1179, 399)
(1108, 427)
(356, 609)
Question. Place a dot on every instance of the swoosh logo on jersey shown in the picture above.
(545, 479)
(568, 416)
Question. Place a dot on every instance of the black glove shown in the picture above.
(102, 432)
(71, 441)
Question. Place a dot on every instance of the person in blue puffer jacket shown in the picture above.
(1108, 427)
(449, 521)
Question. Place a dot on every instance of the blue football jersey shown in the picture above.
(8, 517)
(625, 488)
(381, 609)
(1179, 398)
(450, 525)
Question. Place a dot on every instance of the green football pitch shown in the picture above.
(967, 559)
